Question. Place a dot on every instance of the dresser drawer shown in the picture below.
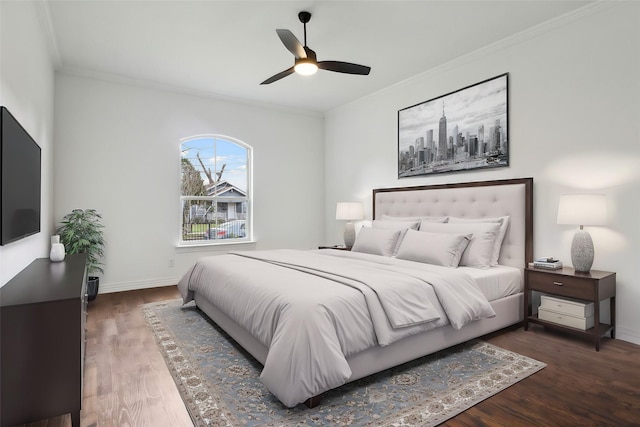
(576, 287)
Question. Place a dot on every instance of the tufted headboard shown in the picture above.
(513, 197)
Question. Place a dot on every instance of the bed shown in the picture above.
(319, 319)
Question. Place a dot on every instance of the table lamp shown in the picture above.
(349, 211)
(582, 209)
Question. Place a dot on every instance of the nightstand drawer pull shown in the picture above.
(557, 283)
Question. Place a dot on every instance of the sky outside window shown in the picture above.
(214, 153)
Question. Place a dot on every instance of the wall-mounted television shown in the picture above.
(20, 173)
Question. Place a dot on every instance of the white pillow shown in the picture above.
(403, 226)
(395, 225)
(480, 248)
(504, 225)
(415, 218)
(376, 241)
(433, 248)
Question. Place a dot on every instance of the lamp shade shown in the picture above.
(349, 211)
(582, 209)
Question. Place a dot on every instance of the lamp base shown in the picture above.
(349, 235)
(57, 252)
(582, 251)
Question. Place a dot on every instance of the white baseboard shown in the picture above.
(142, 284)
(626, 334)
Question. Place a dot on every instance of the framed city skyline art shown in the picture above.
(460, 131)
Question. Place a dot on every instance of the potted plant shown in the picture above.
(81, 231)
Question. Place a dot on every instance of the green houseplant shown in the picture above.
(81, 231)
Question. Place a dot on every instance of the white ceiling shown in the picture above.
(226, 48)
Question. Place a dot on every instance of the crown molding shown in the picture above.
(167, 87)
(507, 42)
(44, 16)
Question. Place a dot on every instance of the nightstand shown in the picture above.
(594, 286)
(338, 247)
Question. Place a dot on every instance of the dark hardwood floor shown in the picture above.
(128, 384)
(579, 386)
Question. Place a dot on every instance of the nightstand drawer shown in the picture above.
(557, 284)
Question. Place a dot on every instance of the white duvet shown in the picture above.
(313, 309)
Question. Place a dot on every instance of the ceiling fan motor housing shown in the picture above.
(304, 17)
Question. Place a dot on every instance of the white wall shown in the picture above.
(574, 127)
(26, 89)
(117, 151)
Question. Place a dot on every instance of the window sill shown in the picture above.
(202, 246)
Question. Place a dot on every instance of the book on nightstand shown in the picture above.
(548, 263)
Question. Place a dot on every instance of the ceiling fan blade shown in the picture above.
(292, 43)
(278, 76)
(344, 67)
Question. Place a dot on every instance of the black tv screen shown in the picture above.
(20, 174)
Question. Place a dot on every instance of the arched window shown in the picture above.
(215, 193)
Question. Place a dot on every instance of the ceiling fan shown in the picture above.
(306, 62)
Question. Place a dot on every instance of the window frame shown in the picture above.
(249, 196)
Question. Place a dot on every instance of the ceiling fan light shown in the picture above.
(306, 68)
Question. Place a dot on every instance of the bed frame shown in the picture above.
(513, 197)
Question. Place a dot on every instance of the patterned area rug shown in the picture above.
(219, 381)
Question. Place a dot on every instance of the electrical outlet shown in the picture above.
(172, 263)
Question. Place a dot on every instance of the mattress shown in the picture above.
(497, 282)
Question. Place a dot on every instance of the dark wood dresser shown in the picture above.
(42, 339)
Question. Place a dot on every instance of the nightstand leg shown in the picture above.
(596, 322)
(527, 309)
(612, 306)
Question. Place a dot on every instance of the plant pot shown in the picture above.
(93, 283)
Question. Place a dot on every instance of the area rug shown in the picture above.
(219, 381)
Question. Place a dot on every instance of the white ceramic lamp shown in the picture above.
(582, 209)
(349, 211)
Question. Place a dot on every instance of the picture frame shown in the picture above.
(460, 131)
